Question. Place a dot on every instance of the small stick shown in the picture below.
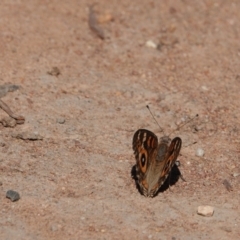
(227, 185)
(4, 107)
(93, 24)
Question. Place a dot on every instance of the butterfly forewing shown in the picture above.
(145, 139)
(170, 158)
(144, 144)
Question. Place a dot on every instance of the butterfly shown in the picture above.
(154, 160)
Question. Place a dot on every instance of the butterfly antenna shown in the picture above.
(180, 126)
(154, 118)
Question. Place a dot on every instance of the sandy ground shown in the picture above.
(76, 182)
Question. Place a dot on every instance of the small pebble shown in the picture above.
(227, 229)
(8, 122)
(151, 44)
(55, 227)
(61, 120)
(227, 185)
(200, 152)
(206, 211)
(33, 136)
(4, 89)
(204, 88)
(13, 195)
(236, 174)
(54, 71)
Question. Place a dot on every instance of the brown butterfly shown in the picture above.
(154, 161)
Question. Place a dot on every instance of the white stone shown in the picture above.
(236, 174)
(151, 44)
(204, 88)
(206, 211)
(200, 152)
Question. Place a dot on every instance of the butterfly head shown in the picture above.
(165, 139)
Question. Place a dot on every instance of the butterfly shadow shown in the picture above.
(171, 180)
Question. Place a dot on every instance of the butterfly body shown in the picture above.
(154, 160)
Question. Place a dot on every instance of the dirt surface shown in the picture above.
(76, 182)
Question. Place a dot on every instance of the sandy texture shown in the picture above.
(76, 182)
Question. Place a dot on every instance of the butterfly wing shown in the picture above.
(144, 145)
(170, 158)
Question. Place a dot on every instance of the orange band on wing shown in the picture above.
(151, 142)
